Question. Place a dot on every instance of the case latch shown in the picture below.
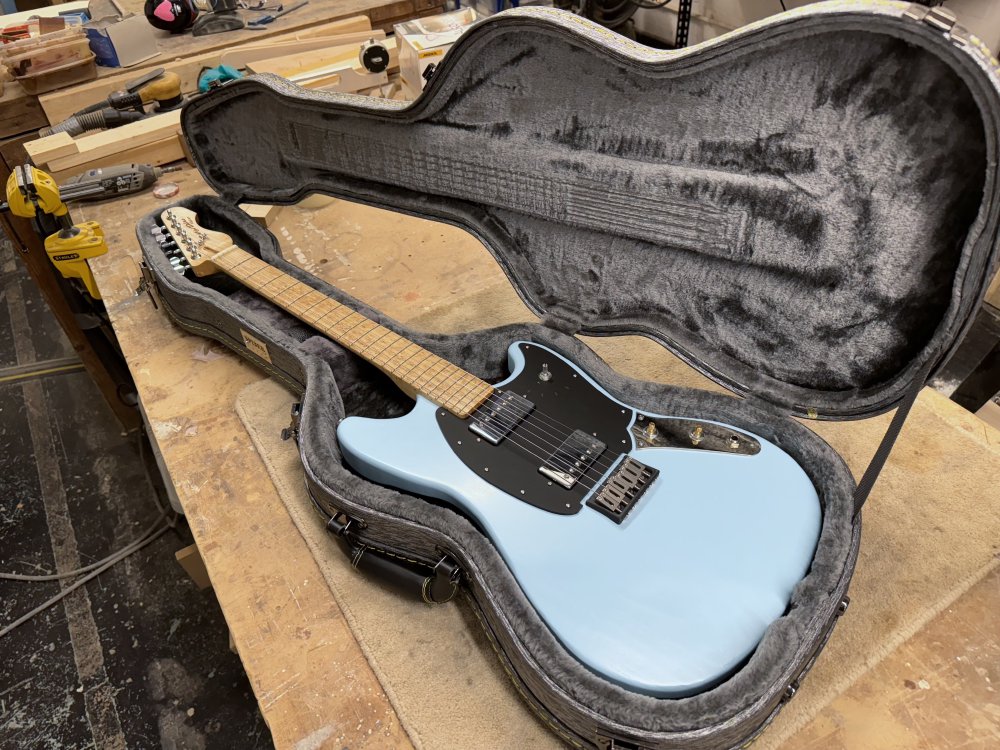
(938, 18)
(147, 283)
(292, 431)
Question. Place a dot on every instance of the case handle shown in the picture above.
(437, 585)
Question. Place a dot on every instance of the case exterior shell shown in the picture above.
(416, 541)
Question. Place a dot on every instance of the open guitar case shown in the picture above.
(804, 210)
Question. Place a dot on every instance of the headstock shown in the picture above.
(188, 244)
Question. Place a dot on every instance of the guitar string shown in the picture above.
(597, 468)
(599, 465)
(586, 482)
(512, 425)
(530, 420)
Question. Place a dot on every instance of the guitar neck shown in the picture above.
(413, 368)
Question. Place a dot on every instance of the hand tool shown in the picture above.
(109, 182)
(258, 23)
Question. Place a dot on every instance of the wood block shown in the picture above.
(993, 294)
(263, 215)
(240, 57)
(119, 142)
(59, 105)
(990, 413)
(55, 146)
(190, 559)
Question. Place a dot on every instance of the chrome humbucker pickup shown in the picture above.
(499, 415)
(572, 458)
(622, 489)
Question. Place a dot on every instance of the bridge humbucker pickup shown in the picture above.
(572, 458)
(497, 417)
(620, 492)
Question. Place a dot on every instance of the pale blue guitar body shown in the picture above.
(670, 601)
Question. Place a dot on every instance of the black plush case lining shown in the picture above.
(946, 178)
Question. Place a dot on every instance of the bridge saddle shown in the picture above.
(620, 492)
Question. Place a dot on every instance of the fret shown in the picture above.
(391, 368)
(358, 332)
(444, 373)
(438, 380)
(325, 308)
(284, 282)
(373, 336)
(260, 282)
(409, 369)
(429, 372)
(447, 377)
(249, 276)
(343, 311)
(462, 385)
(385, 356)
(287, 297)
(319, 297)
(345, 324)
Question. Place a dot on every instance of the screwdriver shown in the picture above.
(258, 23)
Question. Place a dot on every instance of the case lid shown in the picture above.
(803, 209)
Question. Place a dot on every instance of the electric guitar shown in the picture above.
(657, 549)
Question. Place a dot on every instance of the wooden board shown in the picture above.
(188, 55)
(241, 56)
(59, 105)
(55, 146)
(118, 142)
(322, 60)
(19, 112)
(164, 151)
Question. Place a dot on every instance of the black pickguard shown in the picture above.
(564, 403)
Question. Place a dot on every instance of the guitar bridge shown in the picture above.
(620, 492)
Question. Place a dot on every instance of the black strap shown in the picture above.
(889, 439)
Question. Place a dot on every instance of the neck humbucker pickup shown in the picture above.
(497, 418)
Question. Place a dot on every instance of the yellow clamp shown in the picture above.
(69, 248)
(69, 254)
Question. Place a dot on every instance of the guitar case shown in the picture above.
(804, 210)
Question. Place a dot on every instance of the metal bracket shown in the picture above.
(292, 431)
(441, 586)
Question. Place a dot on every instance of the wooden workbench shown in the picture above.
(20, 112)
(301, 657)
